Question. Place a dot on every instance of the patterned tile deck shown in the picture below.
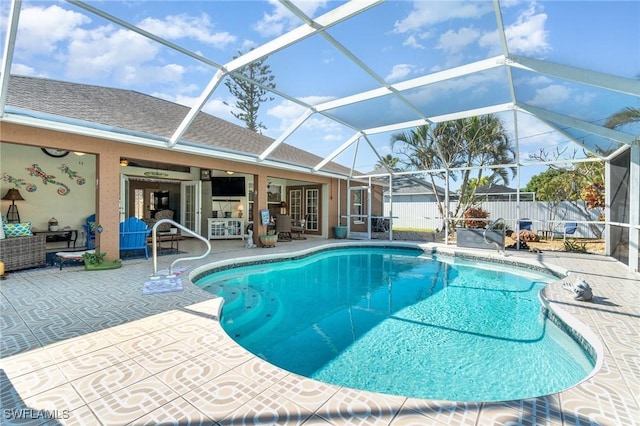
(85, 348)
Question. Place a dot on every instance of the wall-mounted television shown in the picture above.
(228, 186)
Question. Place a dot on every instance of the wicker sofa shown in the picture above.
(23, 252)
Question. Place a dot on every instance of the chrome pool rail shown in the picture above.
(489, 228)
(154, 240)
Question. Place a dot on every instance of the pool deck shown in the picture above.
(87, 348)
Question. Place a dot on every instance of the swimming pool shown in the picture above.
(397, 321)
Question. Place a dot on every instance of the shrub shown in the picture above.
(575, 247)
(475, 213)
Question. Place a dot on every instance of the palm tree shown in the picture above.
(624, 116)
(465, 143)
(388, 162)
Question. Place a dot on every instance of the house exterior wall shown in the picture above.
(102, 191)
(68, 200)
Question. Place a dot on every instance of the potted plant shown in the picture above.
(475, 213)
(475, 234)
(269, 240)
(94, 261)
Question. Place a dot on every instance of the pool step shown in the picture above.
(245, 309)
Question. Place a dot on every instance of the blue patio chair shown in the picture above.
(569, 228)
(90, 231)
(524, 224)
(133, 235)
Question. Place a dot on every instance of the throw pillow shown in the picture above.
(13, 230)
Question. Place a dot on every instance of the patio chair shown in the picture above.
(90, 231)
(297, 229)
(569, 228)
(524, 224)
(283, 227)
(380, 225)
(133, 235)
(163, 214)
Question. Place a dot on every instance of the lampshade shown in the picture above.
(13, 216)
(240, 207)
(13, 195)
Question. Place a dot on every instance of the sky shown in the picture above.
(396, 40)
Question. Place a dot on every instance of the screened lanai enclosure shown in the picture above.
(460, 93)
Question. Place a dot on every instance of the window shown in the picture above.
(138, 203)
(356, 205)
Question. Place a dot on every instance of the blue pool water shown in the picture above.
(397, 321)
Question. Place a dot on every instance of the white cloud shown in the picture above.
(470, 86)
(540, 80)
(528, 34)
(412, 41)
(281, 19)
(221, 108)
(41, 29)
(286, 113)
(200, 28)
(22, 69)
(427, 13)
(553, 94)
(399, 72)
(106, 51)
(454, 42)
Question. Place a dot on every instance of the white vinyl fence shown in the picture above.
(412, 212)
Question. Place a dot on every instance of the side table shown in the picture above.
(68, 235)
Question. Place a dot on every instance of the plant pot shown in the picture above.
(112, 264)
(475, 238)
(268, 240)
(340, 231)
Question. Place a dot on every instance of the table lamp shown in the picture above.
(12, 214)
(240, 209)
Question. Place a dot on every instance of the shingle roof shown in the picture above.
(406, 184)
(494, 189)
(134, 111)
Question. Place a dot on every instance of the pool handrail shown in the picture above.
(489, 228)
(181, 259)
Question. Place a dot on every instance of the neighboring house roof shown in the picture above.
(494, 189)
(502, 193)
(134, 111)
(410, 185)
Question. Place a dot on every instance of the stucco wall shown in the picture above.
(103, 196)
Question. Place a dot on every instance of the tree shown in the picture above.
(546, 185)
(462, 144)
(388, 162)
(581, 185)
(249, 95)
(624, 116)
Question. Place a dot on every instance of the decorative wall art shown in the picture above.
(19, 183)
(73, 175)
(35, 170)
(156, 174)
